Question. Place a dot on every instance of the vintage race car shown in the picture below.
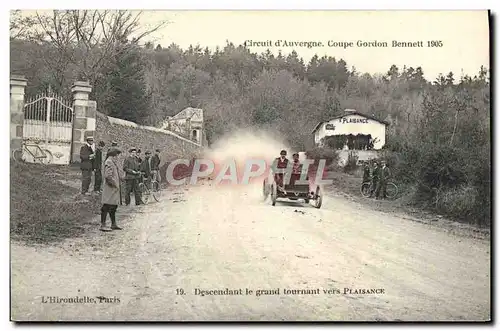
(281, 186)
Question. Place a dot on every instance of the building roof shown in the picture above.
(195, 114)
(348, 113)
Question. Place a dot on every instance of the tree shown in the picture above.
(86, 39)
(20, 27)
(440, 82)
(393, 72)
(449, 79)
(128, 98)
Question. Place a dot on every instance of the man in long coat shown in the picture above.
(146, 168)
(155, 165)
(132, 176)
(375, 179)
(86, 159)
(385, 175)
(111, 193)
(97, 167)
(366, 172)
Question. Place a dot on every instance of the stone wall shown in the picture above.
(89, 122)
(128, 134)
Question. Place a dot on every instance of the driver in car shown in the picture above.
(281, 163)
(296, 167)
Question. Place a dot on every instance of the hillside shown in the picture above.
(46, 205)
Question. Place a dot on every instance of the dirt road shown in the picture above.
(212, 239)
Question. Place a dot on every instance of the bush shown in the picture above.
(458, 202)
(451, 180)
(323, 153)
(352, 162)
(330, 156)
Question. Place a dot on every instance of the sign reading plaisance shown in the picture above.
(352, 123)
(353, 120)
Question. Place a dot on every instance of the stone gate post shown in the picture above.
(17, 87)
(85, 117)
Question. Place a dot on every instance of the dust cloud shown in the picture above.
(240, 147)
(245, 145)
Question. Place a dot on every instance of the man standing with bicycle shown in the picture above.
(132, 176)
(375, 179)
(146, 167)
(86, 164)
(155, 165)
(385, 175)
(366, 172)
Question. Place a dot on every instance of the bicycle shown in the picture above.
(143, 188)
(146, 192)
(391, 189)
(32, 153)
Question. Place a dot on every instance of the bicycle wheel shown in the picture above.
(49, 157)
(366, 189)
(156, 190)
(391, 190)
(145, 193)
(17, 155)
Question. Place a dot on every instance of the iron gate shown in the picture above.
(48, 122)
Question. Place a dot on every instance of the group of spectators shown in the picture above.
(379, 176)
(135, 168)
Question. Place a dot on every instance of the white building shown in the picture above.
(352, 131)
(189, 123)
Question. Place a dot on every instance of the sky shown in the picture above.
(464, 35)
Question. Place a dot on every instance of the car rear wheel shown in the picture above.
(318, 201)
(274, 193)
(265, 191)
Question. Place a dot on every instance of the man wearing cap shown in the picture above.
(97, 167)
(296, 168)
(113, 144)
(111, 193)
(139, 162)
(132, 173)
(280, 164)
(86, 164)
(385, 175)
(146, 167)
(155, 165)
(296, 165)
(138, 155)
(375, 178)
(366, 172)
